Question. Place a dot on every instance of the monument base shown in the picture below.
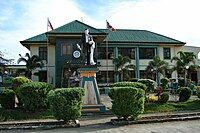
(91, 100)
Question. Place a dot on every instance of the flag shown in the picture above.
(108, 26)
(49, 24)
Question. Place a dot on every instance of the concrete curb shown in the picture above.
(146, 118)
(158, 119)
(38, 125)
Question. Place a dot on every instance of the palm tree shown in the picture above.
(32, 62)
(185, 62)
(123, 66)
(157, 66)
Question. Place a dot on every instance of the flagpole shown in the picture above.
(107, 62)
(47, 53)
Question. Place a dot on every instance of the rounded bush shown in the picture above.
(7, 99)
(130, 84)
(66, 103)
(184, 94)
(164, 97)
(150, 84)
(17, 81)
(127, 101)
(34, 95)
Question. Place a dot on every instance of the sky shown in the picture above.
(22, 19)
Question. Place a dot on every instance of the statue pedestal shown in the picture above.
(91, 100)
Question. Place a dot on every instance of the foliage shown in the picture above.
(34, 95)
(198, 91)
(164, 82)
(164, 97)
(66, 103)
(152, 99)
(127, 101)
(184, 62)
(32, 63)
(123, 66)
(157, 66)
(4, 62)
(7, 99)
(151, 84)
(17, 81)
(184, 94)
(130, 84)
(181, 82)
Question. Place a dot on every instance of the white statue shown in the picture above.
(88, 47)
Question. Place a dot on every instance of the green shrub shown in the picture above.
(151, 84)
(66, 103)
(164, 97)
(17, 81)
(127, 101)
(34, 95)
(130, 84)
(184, 94)
(164, 82)
(7, 99)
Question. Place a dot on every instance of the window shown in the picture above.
(101, 76)
(166, 53)
(102, 53)
(43, 53)
(129, 52)
(66, 49)
(146, 53)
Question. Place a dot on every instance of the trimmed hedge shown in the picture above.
(130, 84)
(184, 94)
(66, 103)
(34, 95)
(127, 101)
(151, 84)
(7, 99)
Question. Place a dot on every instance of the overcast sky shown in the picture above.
(22, 19)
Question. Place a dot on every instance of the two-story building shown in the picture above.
(56, 48)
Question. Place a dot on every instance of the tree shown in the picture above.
(4, 62)
(32, 62)
(157, 66)
(185, 62)
(123, 66)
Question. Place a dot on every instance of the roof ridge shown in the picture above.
(54, 30)
(165, 36)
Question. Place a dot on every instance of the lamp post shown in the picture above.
(185, 76)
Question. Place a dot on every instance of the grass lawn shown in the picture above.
(18, 114)
(172, 106)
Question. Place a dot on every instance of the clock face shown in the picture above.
(76, 54)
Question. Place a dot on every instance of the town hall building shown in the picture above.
(57, 49)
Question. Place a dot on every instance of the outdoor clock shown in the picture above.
(76, 54)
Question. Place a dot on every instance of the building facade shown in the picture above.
(56, 48)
